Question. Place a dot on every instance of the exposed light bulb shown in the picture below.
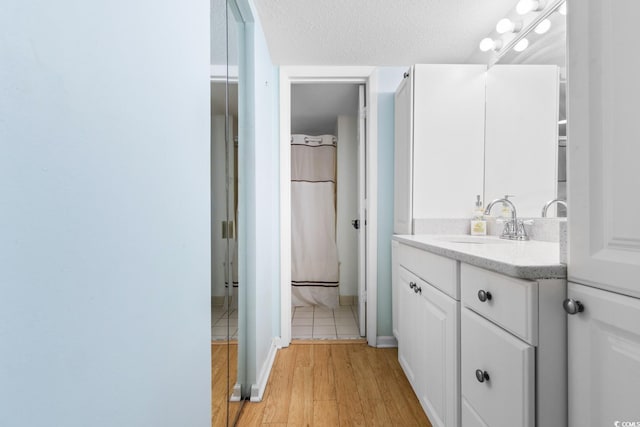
(525, 6)
(521, 45)
(507, 25)
(488, 44)
(543, 27)
(563, 8)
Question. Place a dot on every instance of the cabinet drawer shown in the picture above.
(438, 271)
(507, 397)
(511, 303)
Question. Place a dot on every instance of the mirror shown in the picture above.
(525, 140)
(225, 308)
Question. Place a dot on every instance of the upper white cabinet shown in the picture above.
(463, 130)
(439, 143)
(521, 139)
(603, 139)
(603, 134)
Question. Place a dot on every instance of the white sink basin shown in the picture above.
(478, 240)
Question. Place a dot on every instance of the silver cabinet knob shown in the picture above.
(484, 295)
(412, 285)
(481, 375)
(572, 306)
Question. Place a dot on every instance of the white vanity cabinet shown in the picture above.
(439, 143)
(513, 344)
(481, 348)
(427, 325)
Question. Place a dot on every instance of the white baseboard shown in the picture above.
(386, 342)
(257, 390)
(236, 395)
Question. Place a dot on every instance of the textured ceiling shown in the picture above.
(377, 32)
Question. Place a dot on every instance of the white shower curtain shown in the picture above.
(314, 253)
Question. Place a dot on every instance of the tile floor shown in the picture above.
(221, 324)
(306, 323)
(323, 323)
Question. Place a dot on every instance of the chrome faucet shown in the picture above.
(513, 229)
(549, 203)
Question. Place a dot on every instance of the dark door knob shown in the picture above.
(484, 295)
(481, 375)
(572, 306)
(356, 223)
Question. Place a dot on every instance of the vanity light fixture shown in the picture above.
(525, 6)
(521, 45)
(488, 44)
(506, 25)
(543, 26)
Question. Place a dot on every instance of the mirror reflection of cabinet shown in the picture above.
(226, 351)
(456, 124)
(439, 136)
(521, 137)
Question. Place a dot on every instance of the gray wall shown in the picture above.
(104, 213)
(259, 201)
(388, 80)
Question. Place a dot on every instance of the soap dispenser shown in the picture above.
(478, 223)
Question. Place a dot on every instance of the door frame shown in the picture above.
(335, 74)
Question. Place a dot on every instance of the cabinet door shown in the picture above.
(438, 331)
(406, 328)
(448, 139)
(505, 397)
(604, 355)
(602, 139)
(403, 159)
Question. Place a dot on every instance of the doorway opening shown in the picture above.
(327, 210)
(364, 79)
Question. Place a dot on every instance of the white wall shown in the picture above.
(104, 213)
(347, 204)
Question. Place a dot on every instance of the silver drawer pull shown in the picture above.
(484, 295)
(572, 306)
(481, 375)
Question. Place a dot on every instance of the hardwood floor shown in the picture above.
(335, 384)
(220, 353)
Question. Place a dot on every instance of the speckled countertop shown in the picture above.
(526, 260)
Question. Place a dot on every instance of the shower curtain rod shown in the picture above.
(316, 139)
